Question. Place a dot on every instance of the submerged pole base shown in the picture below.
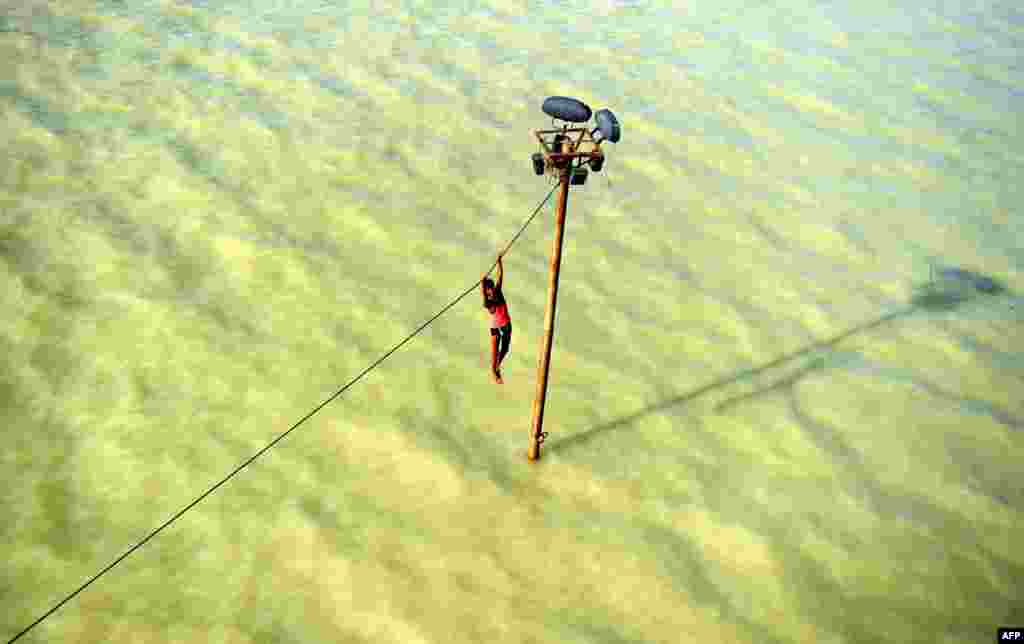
(534, 453)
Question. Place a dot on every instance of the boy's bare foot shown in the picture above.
(497, 377)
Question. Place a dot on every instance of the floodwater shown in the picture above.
(785, 399)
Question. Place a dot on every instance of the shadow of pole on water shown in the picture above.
(946, 289)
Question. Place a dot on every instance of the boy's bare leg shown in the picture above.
(494, 359)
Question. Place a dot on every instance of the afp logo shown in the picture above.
(1010, 635)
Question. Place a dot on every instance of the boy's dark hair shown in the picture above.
(488, 283)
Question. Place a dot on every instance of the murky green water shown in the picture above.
(764, 425)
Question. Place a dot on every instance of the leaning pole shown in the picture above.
(544, 360)
(566, 153)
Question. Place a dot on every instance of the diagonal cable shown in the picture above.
(277, 440)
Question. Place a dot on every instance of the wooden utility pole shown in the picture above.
(564, 155)
(544, 361)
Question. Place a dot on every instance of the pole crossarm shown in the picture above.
(584, 136)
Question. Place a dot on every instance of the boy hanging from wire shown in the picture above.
(501, 323)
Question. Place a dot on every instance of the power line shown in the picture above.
(279, 438)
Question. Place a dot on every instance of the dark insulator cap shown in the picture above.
(608, 125)
(566, 109)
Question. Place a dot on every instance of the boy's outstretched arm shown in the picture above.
(501, 272)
